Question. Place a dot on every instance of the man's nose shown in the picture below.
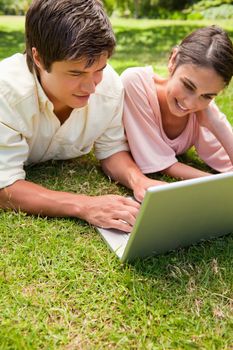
(88, 86)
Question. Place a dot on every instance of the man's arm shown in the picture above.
(121, 167)
(109, 211)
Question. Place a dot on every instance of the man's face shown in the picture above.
(69, 84)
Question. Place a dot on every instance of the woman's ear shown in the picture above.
(172, 60)
(36, 58)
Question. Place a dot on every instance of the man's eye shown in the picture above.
(74, 74)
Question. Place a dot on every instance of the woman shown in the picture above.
(164, 117)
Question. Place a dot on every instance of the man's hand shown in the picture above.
(110, 211)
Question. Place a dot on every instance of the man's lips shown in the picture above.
(81, 96)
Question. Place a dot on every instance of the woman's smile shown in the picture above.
(181, 107)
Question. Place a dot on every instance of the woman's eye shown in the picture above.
(207, 97)
(189, 87)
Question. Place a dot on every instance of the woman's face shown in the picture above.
(190, 88)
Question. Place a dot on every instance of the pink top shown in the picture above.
(152, 150)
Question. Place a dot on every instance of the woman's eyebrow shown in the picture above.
(194, 87)
(210, 94)
(190, 82)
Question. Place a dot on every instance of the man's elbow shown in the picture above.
(4, 198)
(104, 163)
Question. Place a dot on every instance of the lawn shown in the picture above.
(60, 286)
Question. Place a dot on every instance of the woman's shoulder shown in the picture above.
(137, 72)
(135, 77)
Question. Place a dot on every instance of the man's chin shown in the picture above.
(79, 105)
(80, 102)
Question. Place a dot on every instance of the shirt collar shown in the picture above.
(42, 97)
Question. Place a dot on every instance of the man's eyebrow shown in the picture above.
(194, 87)
(77, 71)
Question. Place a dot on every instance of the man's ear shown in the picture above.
(36, 58)
(172, 60)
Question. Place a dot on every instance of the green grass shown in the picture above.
(60, 286)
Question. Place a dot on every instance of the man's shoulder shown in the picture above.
(16, 81)
(111, 85)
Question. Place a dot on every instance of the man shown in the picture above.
(58, 101)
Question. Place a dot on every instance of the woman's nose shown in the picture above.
(192, 102)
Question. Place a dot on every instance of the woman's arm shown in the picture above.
(210, 119)
(121, 167)
(183, 171)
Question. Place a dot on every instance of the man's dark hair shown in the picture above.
(208, 47)
(67, 30)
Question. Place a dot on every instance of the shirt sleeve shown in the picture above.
(113, 139)
(210, 149)
(149, 150)
(13, 149)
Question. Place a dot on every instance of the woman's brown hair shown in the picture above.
(208, 47)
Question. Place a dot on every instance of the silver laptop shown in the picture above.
(176, 215)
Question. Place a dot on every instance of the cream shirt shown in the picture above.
(30, 132)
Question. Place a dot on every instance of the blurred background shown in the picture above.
(160, 9)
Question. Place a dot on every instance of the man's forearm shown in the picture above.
(34, 199)
(108, 211)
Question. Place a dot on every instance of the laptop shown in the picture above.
(176, 215)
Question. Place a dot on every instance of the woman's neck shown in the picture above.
(173, 126)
